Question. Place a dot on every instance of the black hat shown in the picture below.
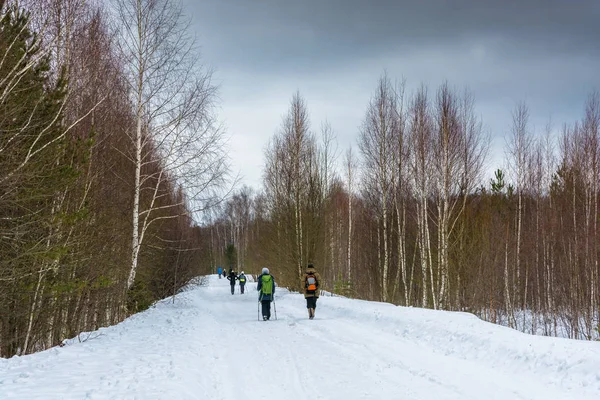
(310, 265)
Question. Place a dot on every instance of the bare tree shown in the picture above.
(519, 148)
(421, 126)
(176, 137)
(327, 155)
(591, 171)
(377, 143)
(239, 212)
(296, 178)
(401, 193)
(459, 151)
(549, 168)
(351, 166)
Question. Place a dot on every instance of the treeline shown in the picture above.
(412, 219)
(108, 147)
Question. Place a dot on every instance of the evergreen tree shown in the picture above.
(31, 173)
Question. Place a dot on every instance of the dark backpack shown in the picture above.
(311, 283)
(267, 284)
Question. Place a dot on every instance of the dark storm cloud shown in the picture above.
(544, 52)
(277, 33)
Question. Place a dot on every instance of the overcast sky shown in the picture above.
(544, 52)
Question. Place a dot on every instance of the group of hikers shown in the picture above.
(310, 281)
(232, 277)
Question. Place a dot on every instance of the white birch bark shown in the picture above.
(175, 125)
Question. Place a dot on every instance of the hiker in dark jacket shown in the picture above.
(232, 277)
(242, 279)
(266, 292)
(311, 282)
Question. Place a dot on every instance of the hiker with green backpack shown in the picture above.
(266, 289)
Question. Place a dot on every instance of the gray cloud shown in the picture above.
(287, 32)
(333, 51)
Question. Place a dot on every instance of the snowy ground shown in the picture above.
(209, 345)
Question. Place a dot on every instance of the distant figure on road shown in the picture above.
(311, 282)
(219, 272)
(266, 289)
(242, 279)
(232, 277)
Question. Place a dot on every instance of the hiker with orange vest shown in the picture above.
(311, 282)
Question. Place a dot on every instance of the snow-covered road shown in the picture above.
(209, 345)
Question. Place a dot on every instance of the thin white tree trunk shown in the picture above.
(379, 260)
(401, 270)
(135, 237)
(507, 301)
(135, 213)
(349, 252)
(518, 255)
(385, 250)
(423, 250)
(32, 311)
(429, 256)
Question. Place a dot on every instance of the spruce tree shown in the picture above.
(32, 146)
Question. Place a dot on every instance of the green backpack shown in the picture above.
(267, 284)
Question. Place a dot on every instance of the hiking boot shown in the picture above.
(265, 318)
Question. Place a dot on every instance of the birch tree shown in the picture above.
(351, 165)
(401, 193)
(590, 127)
(377, 143)
(324, 170)
(519, 150)
(459, 151)
(295, 178)
(176, 137)
(421, 126)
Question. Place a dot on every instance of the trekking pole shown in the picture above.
(258, 311)
(275, 308)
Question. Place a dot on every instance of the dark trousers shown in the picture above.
(311, 302)
(242, 288)
(266, 308)
(233, 288)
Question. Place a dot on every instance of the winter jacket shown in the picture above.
(261, 296)
(307, 294)
(242, 279)
(232, 277)
(219, 270)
